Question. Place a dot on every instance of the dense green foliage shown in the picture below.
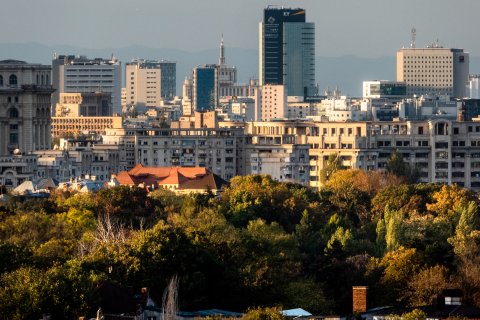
(261, 243)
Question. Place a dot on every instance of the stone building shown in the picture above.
(25, 91)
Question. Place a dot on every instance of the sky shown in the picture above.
(364, 28)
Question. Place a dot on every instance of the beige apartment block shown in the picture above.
(443, 151)
(433, 70)
(278, 149)
(219, 150)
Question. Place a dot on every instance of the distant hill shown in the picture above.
(347, 72)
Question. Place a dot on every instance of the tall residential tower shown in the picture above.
(287, 50)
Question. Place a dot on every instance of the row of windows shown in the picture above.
(12, 80)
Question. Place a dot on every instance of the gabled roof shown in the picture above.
(125, 178)
(183, 178)
(210, 182)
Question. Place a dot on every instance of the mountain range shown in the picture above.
(345, 72)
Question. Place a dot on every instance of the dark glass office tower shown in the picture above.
(205, 88)
(287, 50)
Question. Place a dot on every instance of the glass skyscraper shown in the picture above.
(287, 50)
(205, 88)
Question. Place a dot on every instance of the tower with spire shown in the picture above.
(227, 74)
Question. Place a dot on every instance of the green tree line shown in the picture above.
(260, 243)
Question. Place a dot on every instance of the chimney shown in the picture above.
(360, 299)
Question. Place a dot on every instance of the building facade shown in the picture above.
(219, 150)
(148, 82)
(205, 88)
(274, 102)
(78, 74)
(25, 91)
(383, 89)
(433, 70)
(80, 125)
(91, 104)
(287, 50)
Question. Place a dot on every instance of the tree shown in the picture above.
(400, 168)
(264, 314)
(259, 196)
(22, 293)
(396, 165)
(399, 266)
(334, 163)
(349, 195)
(467, 234)
(394, 229)
(450, 200)
(170, 300)
(424, 286)
(308, 295)
(415, 314)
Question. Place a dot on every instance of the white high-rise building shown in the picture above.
(142, 84)
(78, 74)
(433, 70)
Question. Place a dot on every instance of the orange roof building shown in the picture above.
(181, 180)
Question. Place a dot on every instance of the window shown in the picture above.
(13, 113)
(1, 81)
(13, 138)
(12, 80)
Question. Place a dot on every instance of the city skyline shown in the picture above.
(370, 28)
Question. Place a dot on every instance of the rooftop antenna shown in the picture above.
(222, 52)
(414, 35)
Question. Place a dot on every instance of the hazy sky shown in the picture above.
(367, 28)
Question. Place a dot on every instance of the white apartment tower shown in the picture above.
(433, 70)
(274, 102)
(78, 74)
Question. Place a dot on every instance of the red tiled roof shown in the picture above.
(125, 178)
(186, 178)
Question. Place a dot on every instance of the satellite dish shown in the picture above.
(17, 151)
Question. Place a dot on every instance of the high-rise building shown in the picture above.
(72, 74)
(433, 70)
(205, 88)
(147, 82)
(287, 51)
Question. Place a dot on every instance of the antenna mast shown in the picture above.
(414, 35)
